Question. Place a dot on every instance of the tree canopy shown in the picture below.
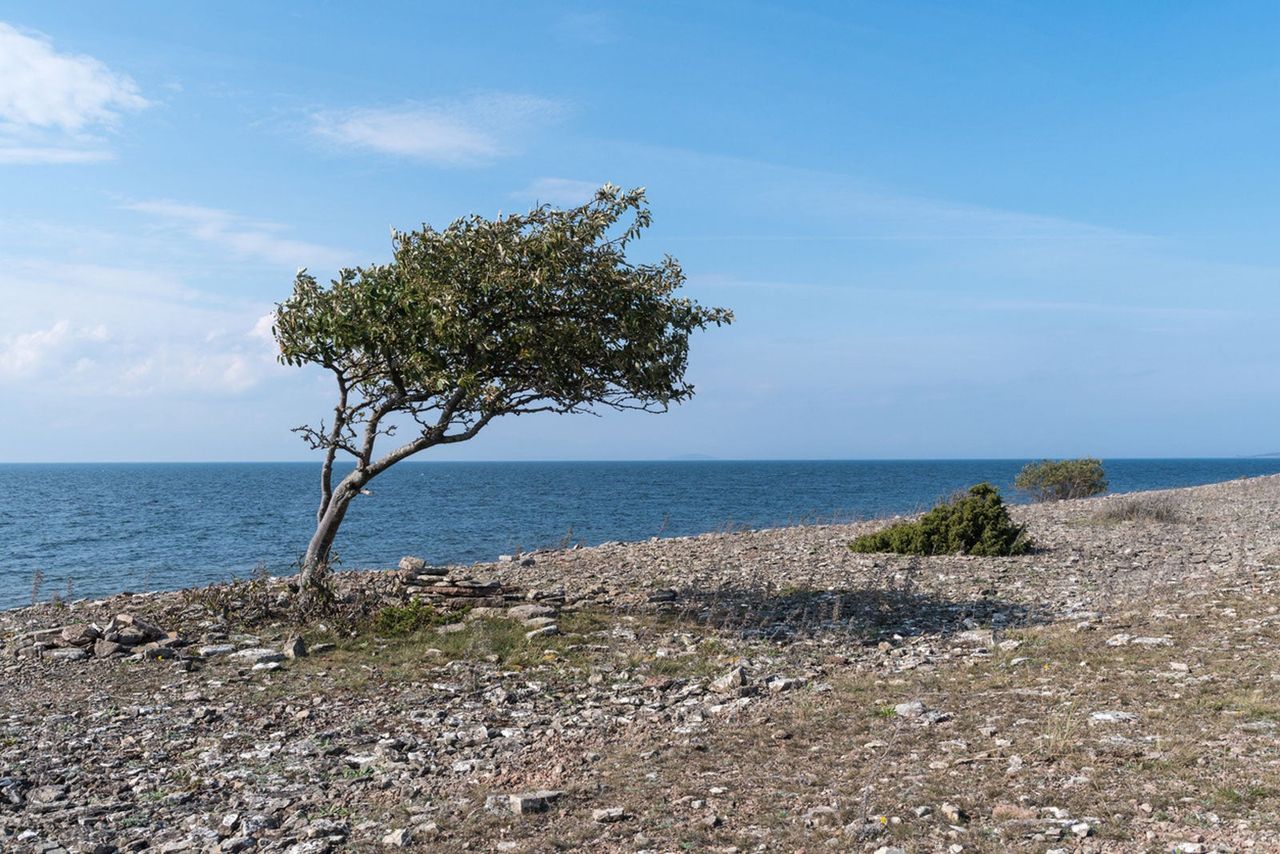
(535, 312)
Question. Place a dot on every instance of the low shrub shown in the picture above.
(1150, 509)
(975, 522)
(1056, 480)
(396, 621)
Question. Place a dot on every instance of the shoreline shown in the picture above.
(674, 694)
(1022, 511)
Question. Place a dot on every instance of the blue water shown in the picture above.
(114, 527)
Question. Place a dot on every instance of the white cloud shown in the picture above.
(262, 328)
(174, 368)
(49, 101)
(41, 351)
(244, 237)
(124, 333)
(456, 133)
(23, 355)
(559, 191)
(31, 155)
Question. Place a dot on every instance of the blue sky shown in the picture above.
(947, 230)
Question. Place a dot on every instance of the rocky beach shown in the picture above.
(1113, 691)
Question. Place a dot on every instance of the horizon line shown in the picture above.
(698, 459)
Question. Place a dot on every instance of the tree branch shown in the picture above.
(326, 469)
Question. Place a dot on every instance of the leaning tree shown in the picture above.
(536, 312)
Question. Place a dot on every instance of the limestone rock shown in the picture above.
(47, 794)
(399, 838)
(259, 655)
(70, 653)
(80, 635)
(214, 650)
(412, 565)
(525, 803)
(1112, 717)
(730, 681)
(295, 647)
(909, 710)
(104, 648)
(530, 611)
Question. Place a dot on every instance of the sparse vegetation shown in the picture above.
(975, 522)
(243, 600)
(490, 640)
(1081, 722)
(251, 601)
(1056, 480)
(1149, 508)
(396, 621)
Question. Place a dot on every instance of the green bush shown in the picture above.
(975, 522)
(1055, 480)
(400, 620)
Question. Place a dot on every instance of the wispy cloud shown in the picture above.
(32, 155)
(1114, 309)
(245, 237)
(52, 103)
(23, 355)
(125, 332)
(454, 133)
(774, 203)
(559, 191)
(920, 218)
(842, 210)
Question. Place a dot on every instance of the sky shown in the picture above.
(989, 229)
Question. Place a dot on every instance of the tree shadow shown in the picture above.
(868, 614)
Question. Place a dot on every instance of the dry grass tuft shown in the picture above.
(1151, 508)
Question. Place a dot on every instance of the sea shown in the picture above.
(88, 530)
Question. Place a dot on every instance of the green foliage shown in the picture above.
(537, 311)
(1055, 480)
(975, 522)
(395, 621)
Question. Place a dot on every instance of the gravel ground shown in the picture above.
(1115, 690)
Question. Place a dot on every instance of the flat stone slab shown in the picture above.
(73, 653)
(1109, 717)
(525, 803)
(259, 655)
(214, 650)
(530, 611)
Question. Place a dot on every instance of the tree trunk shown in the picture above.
(317, 557)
